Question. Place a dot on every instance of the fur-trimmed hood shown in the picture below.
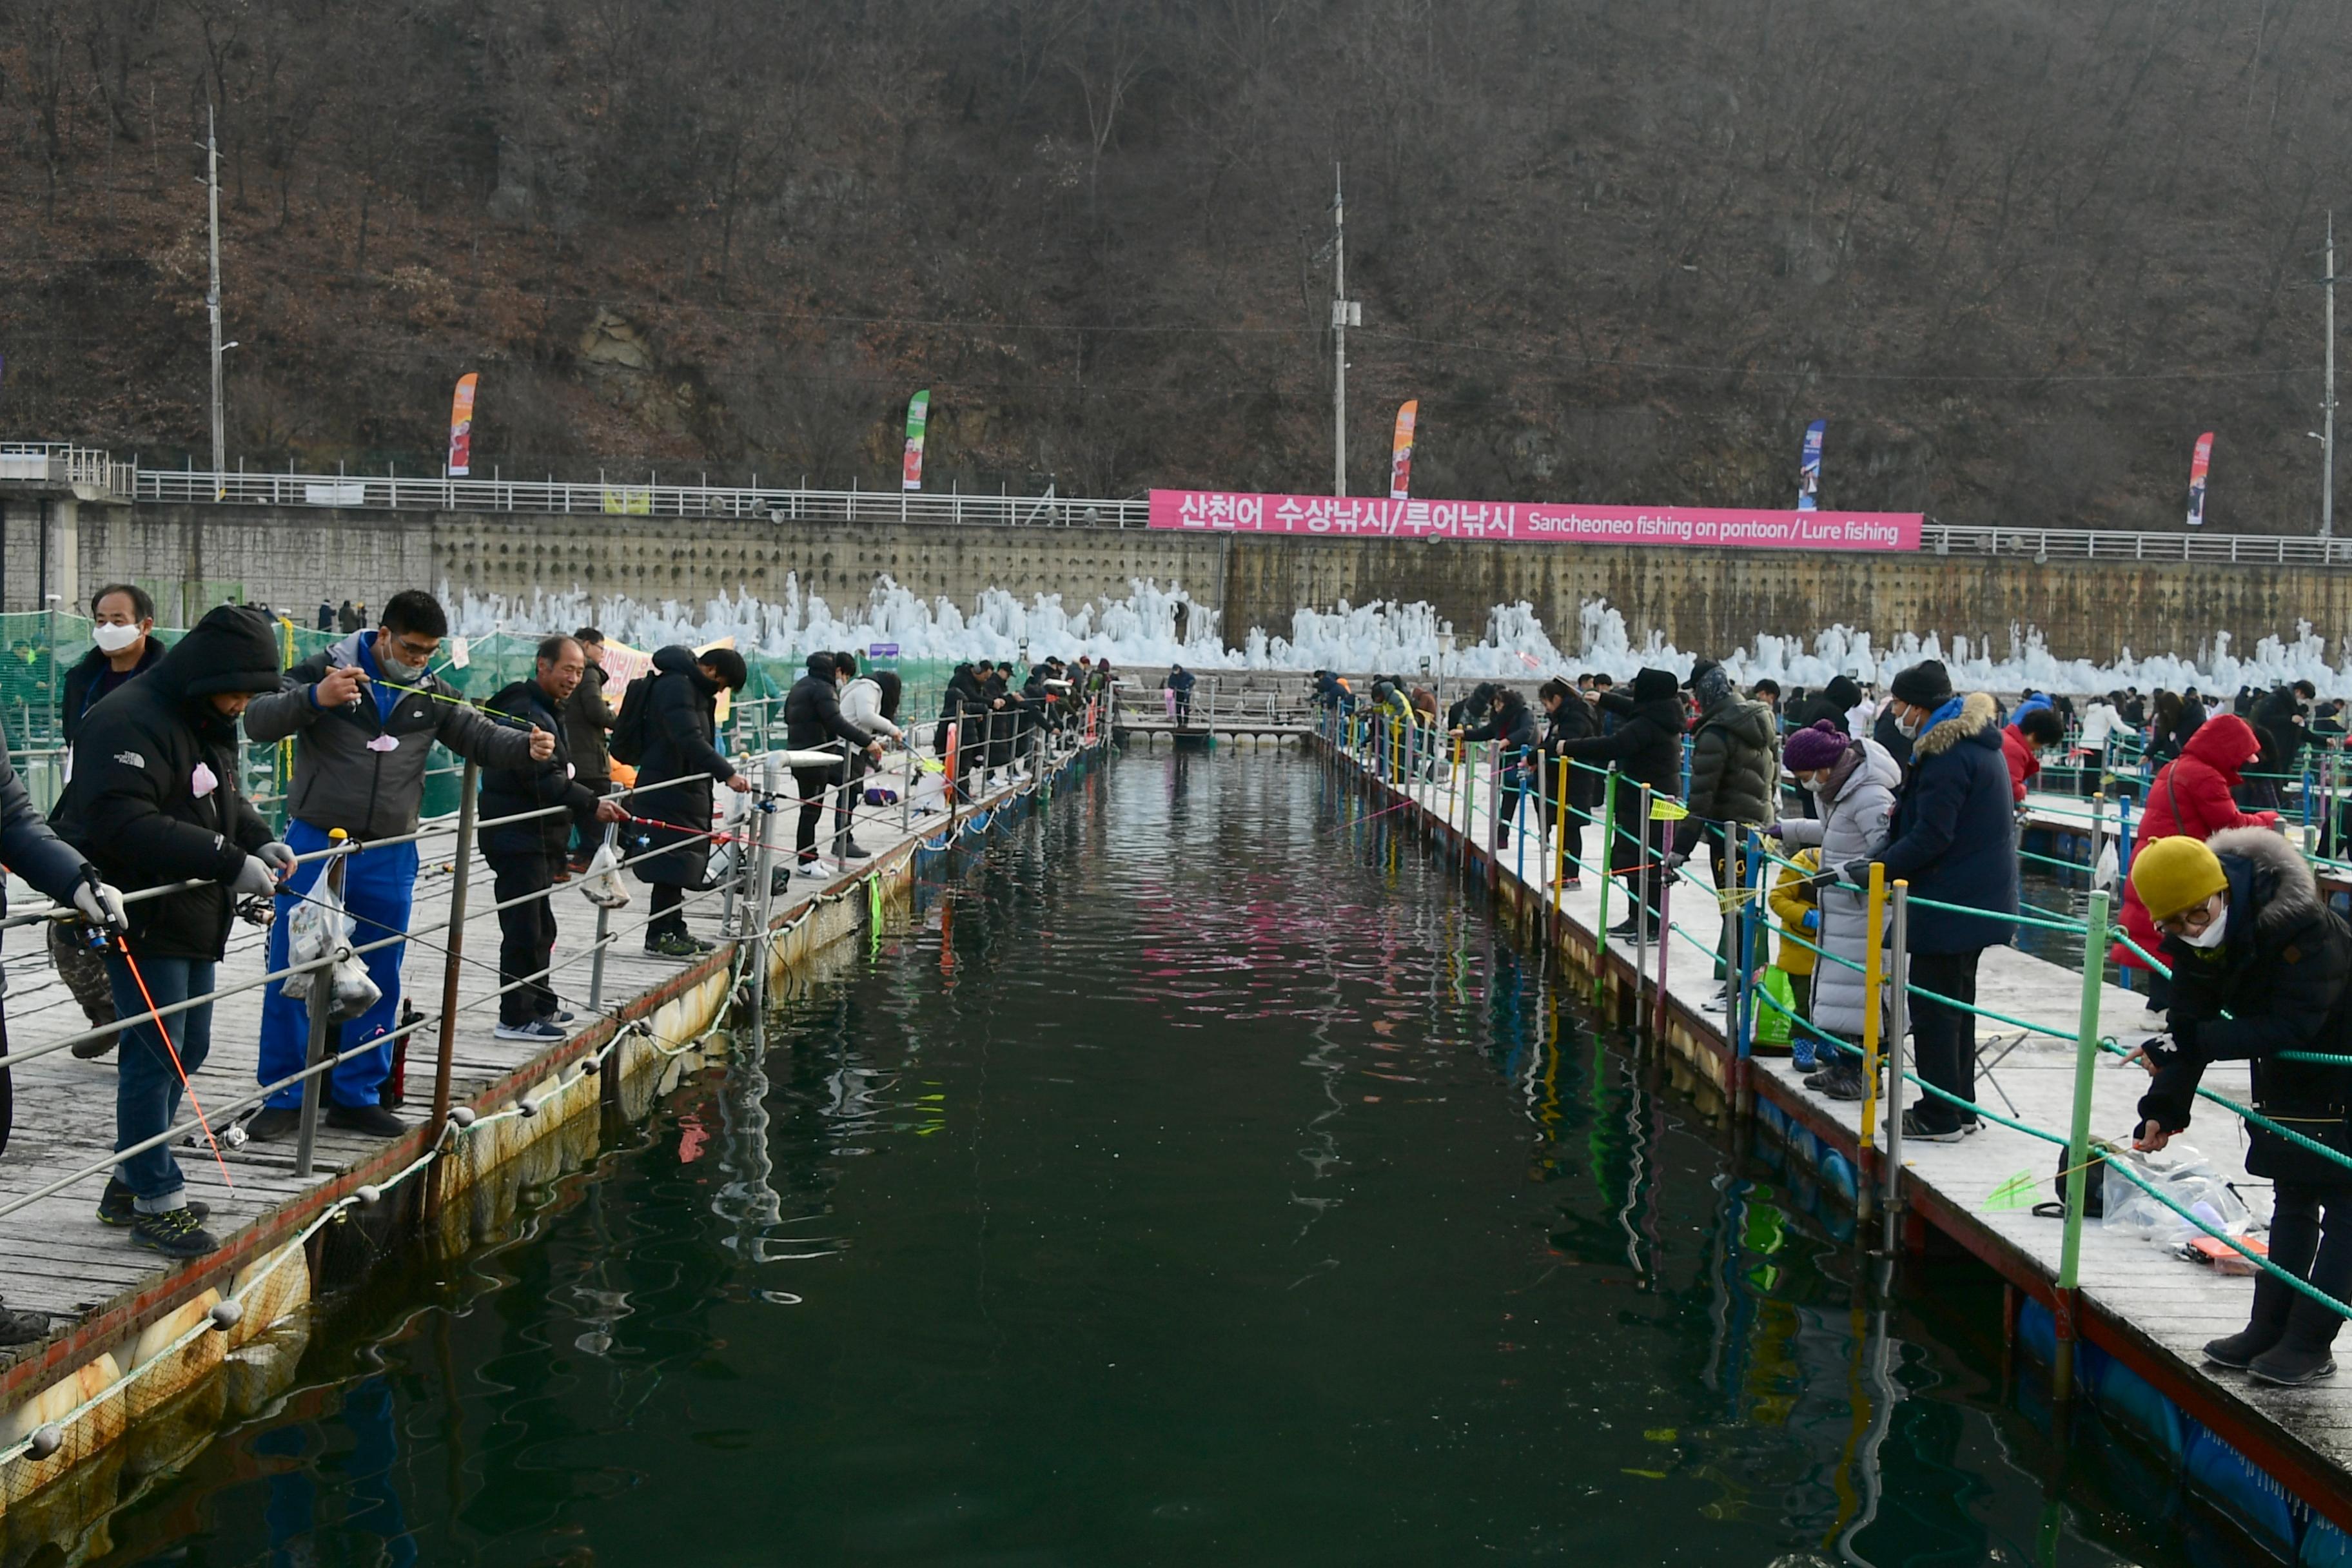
(2283, 882)
(1976, 721)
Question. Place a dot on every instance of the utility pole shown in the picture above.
(213, 297)
(2328, 408)
(1345, 314)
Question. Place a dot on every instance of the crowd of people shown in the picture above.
(155, 847)
(1927, 785)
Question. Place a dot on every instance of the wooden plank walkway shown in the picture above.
(2167, 1304)
(61, 1261)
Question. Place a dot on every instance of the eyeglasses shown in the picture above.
(415, 650)
(2194, 918)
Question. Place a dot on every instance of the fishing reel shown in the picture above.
(259, 910)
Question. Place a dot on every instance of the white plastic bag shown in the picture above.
(320, 925)
(2180, 1173)
(602, 884)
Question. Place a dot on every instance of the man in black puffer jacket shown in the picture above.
(1646, 744)
(1831, 703)
(1953, 837)
(526, 856)
(813, 723)
(2260, 966)
(681, 742)
(1734, 767)
(1567, 718)
(1512, 730)
(154, 802)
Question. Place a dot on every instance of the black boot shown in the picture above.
(2301, 1354)
(2266, 1326)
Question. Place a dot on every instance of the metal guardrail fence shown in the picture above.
(756, 502)
(61, 465)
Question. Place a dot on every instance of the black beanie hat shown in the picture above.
(1925, 684)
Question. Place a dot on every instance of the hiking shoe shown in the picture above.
(174, 1233)
(558, 1016)
(272, 1121)
(117, 1206)
(22, 1328)
(88, 1051)
(538, 1032)
(2291, 1368)
(2238, 1351)
(1917, 1131)
(373, 1121)
(673, 944)
(1839, 1083)
(853, 851)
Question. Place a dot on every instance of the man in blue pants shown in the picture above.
(364, 714)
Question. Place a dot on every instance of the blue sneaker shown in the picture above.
(1800, 1055)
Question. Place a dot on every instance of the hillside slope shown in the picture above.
(2018, 255)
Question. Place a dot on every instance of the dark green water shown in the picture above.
(1196, 1180)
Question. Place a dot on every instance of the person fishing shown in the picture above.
(156, 801)
(681, 716)
(525, 857)
(813, 722)
(364, 714)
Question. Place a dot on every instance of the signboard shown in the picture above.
(882, 650)
(1808, 468)
(1531, 522)
(2199, 462)
(461, 426)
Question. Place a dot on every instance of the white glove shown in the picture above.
(279, 858)
(254, 876)
(101, 904)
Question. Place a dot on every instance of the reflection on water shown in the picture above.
(1191, 1178)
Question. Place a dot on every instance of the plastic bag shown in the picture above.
(320, 925)
(602, 884)
(877, 796)
(1773, 1024)
(2181, 1174)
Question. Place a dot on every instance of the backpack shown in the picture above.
(633, 726)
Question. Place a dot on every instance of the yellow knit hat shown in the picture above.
(2175, 874)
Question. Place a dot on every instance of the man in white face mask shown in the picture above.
(2259, 971)
(121, 623)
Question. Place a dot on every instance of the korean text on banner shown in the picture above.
(1401, 451)
(1532, 522)
(461, 426)
(2198, 462)
(918, 414)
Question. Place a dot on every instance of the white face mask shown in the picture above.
(1908, 728)
(111, 638)
(2210, 937)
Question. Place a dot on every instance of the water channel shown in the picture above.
(1199, 1175)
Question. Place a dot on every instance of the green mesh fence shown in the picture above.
(39, 648)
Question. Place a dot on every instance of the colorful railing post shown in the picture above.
(2078, 1147)
(1874, 926)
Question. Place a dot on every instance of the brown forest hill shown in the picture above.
(2018, 252)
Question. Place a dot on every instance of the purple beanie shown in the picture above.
(1819, 745)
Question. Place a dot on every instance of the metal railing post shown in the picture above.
(1665, 925)
(1898, 1025)
(322, 1002)
(2078, 1146)
(456, 948)
(772, 783)
(604, 935)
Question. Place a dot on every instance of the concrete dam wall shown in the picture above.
(193, 556)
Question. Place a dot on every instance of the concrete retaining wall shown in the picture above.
(290, 557)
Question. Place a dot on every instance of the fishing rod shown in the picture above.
(123, 945)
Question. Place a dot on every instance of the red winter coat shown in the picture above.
(2022, 763)
(2191, 796)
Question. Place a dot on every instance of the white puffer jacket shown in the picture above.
(1856, 802)
(861, 704)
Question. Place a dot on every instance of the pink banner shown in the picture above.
(1532, 522)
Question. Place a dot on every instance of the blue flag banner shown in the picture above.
(1809, 470)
